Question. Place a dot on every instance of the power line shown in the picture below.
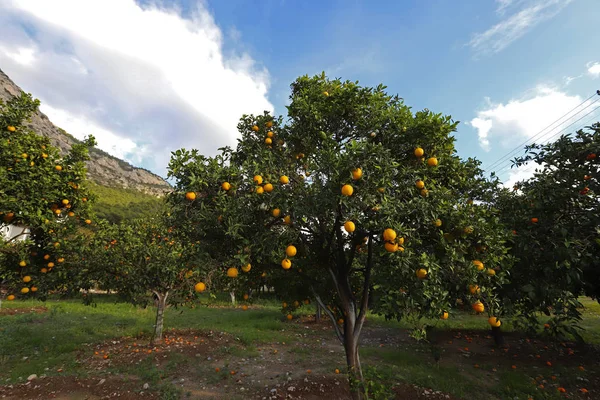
(520, 146)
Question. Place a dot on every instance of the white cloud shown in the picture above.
(593, 69)
(519, 174)
(528, 14)
(132, 75)
(523, 119)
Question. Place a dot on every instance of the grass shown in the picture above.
(42, 343)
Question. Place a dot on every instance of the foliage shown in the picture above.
(555, 220)
(44, 191)
(119, 204)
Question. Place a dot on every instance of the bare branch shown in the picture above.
(338, 332)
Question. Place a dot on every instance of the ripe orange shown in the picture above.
(444, 315)
(478, 264)
(269, 141)
(22, 264)
(478, 306)
(349, 226)
(389, 235)
(88, 221)
(432, 161)
(246, 296)
(289, 317)
(424, 192)
(391, 247)
(340, 321)
(247, 267)
(286, 263)
(225, 186)
(71, 214)
(200, 287)
(587, 177)
(284, 180)
(65, 202)
(259, 190)
(494, 322)
(357, 174)
(34, 289)
(287, 219)
(421, 273)
(437, 223)
(474, 289)
(27, 279)
(591, 156)
(326, 94)
(290, 251)
(44, 155)
(270, 134)
(347, 190)
(50, 265)
(245, 307)
(276, 212)
(284, 304)
(232, 272)
(268, 188)
(25, 290)
(258, 179)
(43, 270)
(217, 369)
(534, 220)
(419, 152)
(337, 371)
(420, 184)
(58, 168)
(491, 272)
(10, 297)
(269, 124)
(105, 356)
(255, 128)
(11, 128)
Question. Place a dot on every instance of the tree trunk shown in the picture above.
(318, 314)
(160, 314)
(355, 375)
(232, 294)
(498, 336)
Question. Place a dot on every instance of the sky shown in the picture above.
(148, 77)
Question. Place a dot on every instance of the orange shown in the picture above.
(270, 134)
(424, 192)
(225, 186)
(290, 251)
(286, 263)
(88, 221)
(27, 279)
(437, 223)
(276, 212)
(269, 124)
(474, 289)
(432, 162)
(326, 94)
(200, 287)
(268, 188)
(22, 264)
(591, 156)
(50, 265)
(43, 270)
(421, 273)
(259, 190)
(391, 247)
(287, 219)
(25, 290)
(269, 141)
(337, 371)
(232, 272)
(290, 317)
(284, 304)
(245, 307)
(347, 190)
(58, 168)
(11, 128)
(491, 272)
(357, 174)
(419, 152)
(10, 297)
(44, 155)
(420, 184)
(71, 214)
(478, 306)
(534, 220)
(246, 296)
(389, 235)
(340, 321)
(478, 264)
(255, 128)
(349, 226)
(34, 289)
(258, 179)
(247, 267)
(444, 315)
(494, 322)
(587, 177)
(284, 180)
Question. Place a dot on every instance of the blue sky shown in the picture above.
(179, 73)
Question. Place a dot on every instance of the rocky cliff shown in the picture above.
(103, 168)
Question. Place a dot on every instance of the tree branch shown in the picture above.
(338, 332)
(364, 304)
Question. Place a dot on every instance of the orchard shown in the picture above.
(351, 205)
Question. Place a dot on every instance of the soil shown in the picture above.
(22, 310)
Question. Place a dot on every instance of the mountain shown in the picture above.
(103, 169)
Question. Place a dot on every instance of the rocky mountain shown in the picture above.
(103, 168)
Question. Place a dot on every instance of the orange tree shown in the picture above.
(555, 220)
(44, 192)
(141, 258)
(353, 195)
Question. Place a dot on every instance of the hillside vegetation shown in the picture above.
(118, 204)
